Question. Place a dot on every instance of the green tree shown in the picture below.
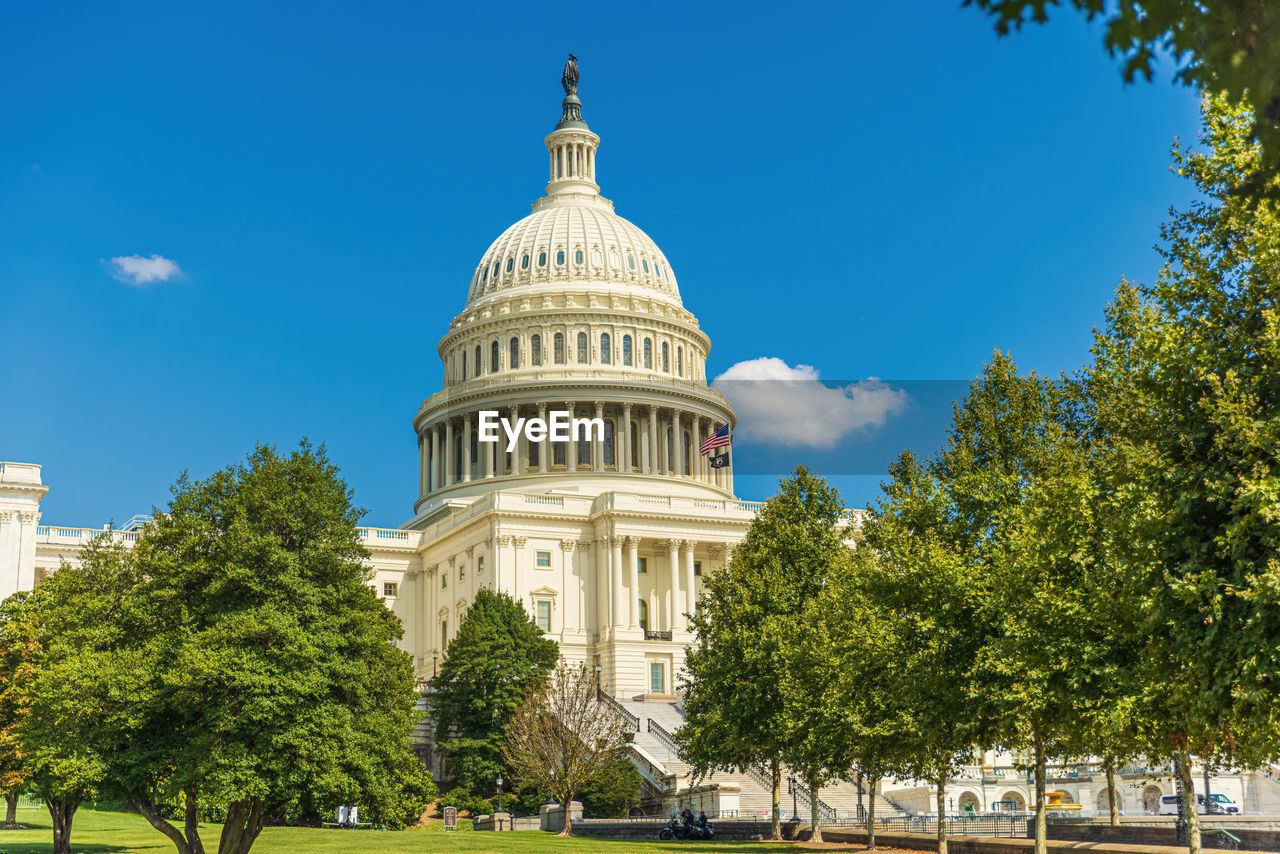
(612, 793)
(80, 692)
(498, 654)
(735, 700)
(1217, 45)
(263, 666)
(927, 600)
(19, 653)
(1198, 407)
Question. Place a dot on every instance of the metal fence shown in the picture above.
(977, 824)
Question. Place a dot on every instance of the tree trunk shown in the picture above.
(11, 811)
(861, 809)
(1208, 798)
(1110, 765)
(775, 830)
(241, 829)
(567, 830)
(189, 844)
(62, 812)
(1042, 830)
(942, 812)
(815, 811)
(871, 814)
(1189, 797)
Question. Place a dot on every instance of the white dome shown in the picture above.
(573, 240)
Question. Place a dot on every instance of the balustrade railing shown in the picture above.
(605, 699)
(658, 731)
(653, 634)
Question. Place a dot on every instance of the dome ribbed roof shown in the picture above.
(580, 243)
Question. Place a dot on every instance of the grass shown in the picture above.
(95, 832)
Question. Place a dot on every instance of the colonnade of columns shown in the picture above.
(638, 439)
(672, 594)
(573, 160)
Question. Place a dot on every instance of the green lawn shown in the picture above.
(100, 832)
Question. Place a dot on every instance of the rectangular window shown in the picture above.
(657, 677)
(390, 589)
(444, 578)
(444, 633)
(462, 570)
(642, 566)
(544, 615)
(543, 560)
(697, 567)
(480, 565)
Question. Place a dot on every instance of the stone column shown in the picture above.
(571, 453)
(466, 447)
(690, 594)
(489, 454)
(695, 445)
(677, 445)
(544, 447)
(615, 580)
(422, 465)
(597, 443)
(673, 586)
(624, 462)
(450, 458)
(633, 573)
(654, 464)
(603, 582)
(517, 456)
(437, 473)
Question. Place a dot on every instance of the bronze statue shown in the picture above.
(569, 80)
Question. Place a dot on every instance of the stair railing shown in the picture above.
(633, 722)
(825, 811)
(663, 736)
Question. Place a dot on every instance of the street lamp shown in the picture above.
(435, 654)
(499, 791)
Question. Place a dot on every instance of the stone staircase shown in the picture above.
(658, 722)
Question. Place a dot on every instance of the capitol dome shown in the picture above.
(572, 309)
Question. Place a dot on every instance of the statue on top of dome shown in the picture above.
(569, 80)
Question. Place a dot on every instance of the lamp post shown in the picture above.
(599, 690)
(499, 791)
(435, 654)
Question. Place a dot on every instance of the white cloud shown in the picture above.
(137, 270)
(784, 405)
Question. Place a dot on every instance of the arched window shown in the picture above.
(511, 264)
(631, 261)
(493, 357)
(635, 446)
(577, 257)
(642, 610)
(535, 344)
(560, 258)
(582, 348)
(464, 364)
(475, 446)
(608, 442)
(626, 350)
(606, 349)
(679, 361)
(484, 274)
(557, 453)
(478, 362)
(584, 450)
(559, 347)
(524, 262)
(666, 353)
(534, 454)
(686, 453)
(513, 354)
(542, 259)
(648, 353)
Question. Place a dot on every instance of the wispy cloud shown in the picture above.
(136, 270)
(784, 405)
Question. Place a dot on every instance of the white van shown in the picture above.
(1222, 805)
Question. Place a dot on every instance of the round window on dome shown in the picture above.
(542, 259)
(577, 257)
(524, 263)
(511, 264)
(560, 258)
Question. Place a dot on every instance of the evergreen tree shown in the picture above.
(498, 655)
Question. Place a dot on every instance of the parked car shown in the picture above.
(1220, 805)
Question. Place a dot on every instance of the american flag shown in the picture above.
(718, 439)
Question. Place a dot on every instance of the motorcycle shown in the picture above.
(676, 829)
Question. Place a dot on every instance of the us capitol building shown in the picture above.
(605, 542)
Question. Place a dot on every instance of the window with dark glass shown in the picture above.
(513, 353)
(626, 350)
(478, 362)
(648, 353)
(608, 442)
(559, 348)
(493, 357)
(535, 345)
(582, 348)
(666, 352)
(606, 349)
(560, 258)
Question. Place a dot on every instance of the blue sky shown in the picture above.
(880, 190)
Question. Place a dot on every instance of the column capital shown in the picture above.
(568, 545)
(716, 550)
(503, 540)
(631, 542)
(672, 545)
(688, 545)
(470, 551)
(520, 541)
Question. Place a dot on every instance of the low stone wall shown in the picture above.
(506, 821)
(988, 844)
(1254, 835)
(735, 828)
